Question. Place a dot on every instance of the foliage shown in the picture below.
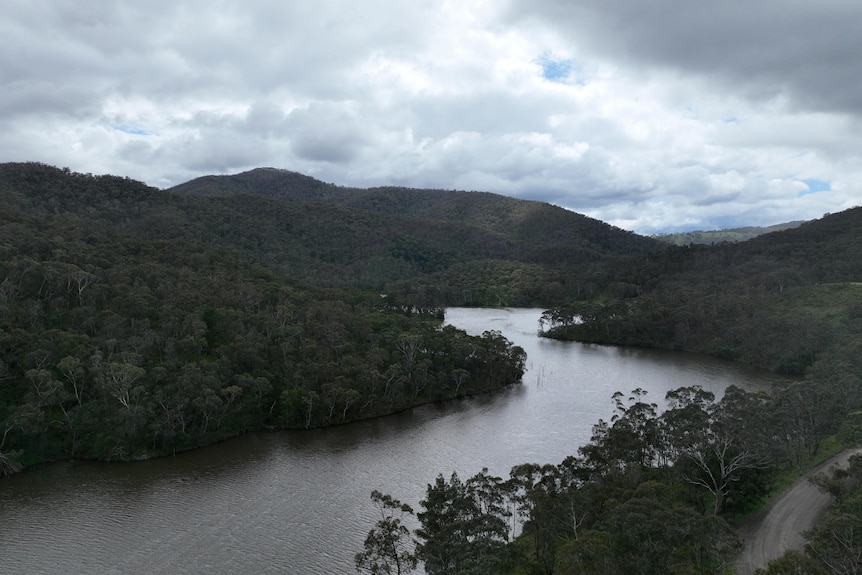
(464, 527)
(388, 548)
(623, 505)
(778, 301)
(118, 345)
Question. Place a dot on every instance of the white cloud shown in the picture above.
(658, 116)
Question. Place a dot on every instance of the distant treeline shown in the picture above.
(719, 236)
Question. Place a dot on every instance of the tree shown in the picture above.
(791, 563)
(460, 532)
(836, 542)
(630, 443)
(73, 371)
(8, 460)
(711, 438)
(535, 490)
(389, 550)
(650, 533)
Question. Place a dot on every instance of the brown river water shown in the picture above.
(298, 502)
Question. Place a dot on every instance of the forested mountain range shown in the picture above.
(424, 246)
(465, 248)
(728, 235)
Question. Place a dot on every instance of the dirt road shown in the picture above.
(779, 527)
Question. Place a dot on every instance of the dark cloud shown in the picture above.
(805, 51)
(325, 133)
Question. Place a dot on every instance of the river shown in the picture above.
(298, 502)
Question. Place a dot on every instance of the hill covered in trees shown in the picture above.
(419, 246)
(136, 322)
(778, 301)
(718, 236)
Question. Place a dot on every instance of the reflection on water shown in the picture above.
(298, 502)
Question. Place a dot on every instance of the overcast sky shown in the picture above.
(652, 115)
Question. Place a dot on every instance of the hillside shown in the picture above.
(526, 221)
(422, 245)
(718, 236)
(732, 300)
(131, 326)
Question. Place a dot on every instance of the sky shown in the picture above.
(652, 115)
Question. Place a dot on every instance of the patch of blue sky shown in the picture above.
(133, 130)
(559, 70)
(815, 186)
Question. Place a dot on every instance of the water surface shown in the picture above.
(298, 502)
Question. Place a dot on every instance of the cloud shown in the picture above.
(649, 115)
(805, 51)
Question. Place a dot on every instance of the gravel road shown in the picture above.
(779, 527)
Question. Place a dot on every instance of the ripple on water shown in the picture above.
(299, 502)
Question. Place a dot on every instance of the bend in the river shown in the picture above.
(298, 502)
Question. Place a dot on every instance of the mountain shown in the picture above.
(728, 235)
(429, 245)
(523, 220)
(426, 247)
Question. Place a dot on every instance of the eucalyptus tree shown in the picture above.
(463, 526)
(714, 443)
(389, 548)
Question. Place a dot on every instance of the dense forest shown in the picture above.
(645, 496)
(780, 301)
(125, 333)
(425, 247)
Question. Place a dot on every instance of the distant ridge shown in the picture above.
(728, 235)
(525, 219)
(273, 182)
(420, 247)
